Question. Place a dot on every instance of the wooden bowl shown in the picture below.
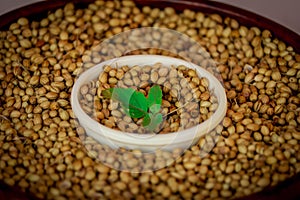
(288, 189)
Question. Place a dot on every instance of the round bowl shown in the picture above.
(147, 142)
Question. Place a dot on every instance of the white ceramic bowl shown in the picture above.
(147, 142)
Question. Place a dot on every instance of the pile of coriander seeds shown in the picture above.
(44, 151)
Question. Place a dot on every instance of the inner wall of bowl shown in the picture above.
(185, 137)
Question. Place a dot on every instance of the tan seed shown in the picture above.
(242, 149)
(33, 177)
(163, 71)
(263, 182)
(253, 127)
(154, 77)
(271, 160)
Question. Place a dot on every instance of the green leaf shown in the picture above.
(134, 103)
(155, 108)
(155, 121)
(125, 109)
(154, 99)
(122, 94)
(158, 119)
(138, 105)
(146, 120)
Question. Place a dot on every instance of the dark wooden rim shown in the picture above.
(288, 189)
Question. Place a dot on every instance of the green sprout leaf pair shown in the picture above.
(136, 105)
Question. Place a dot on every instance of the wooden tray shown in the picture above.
(288, 189)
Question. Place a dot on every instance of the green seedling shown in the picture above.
(137, 105)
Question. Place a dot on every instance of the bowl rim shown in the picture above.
(159, 139)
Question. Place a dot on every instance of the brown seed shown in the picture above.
(253, 127)
(114, 22)
(23, 21)
(103, 77)
(51, 95)
(161, 80)
(203, 169)
(34, 80)
(249, 78)
(33, 177)
(64, 35)
(163, 72)
(237, 116)
(144, 77)
(257, 136)
(291, 72)
(227, 122)
(189, 165)
(226, 193)
(90, 175)
(296, 135)
(283, 168)
(242, 149)
(258, 52)
(128, 82)
(264, 130)
(15, 114)
(231, 94)
(271, 160)
(25, 43)
(87, 161)
(63, 114)
(173, 93)
(263, 182)
(154, 77)
(276, 75)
